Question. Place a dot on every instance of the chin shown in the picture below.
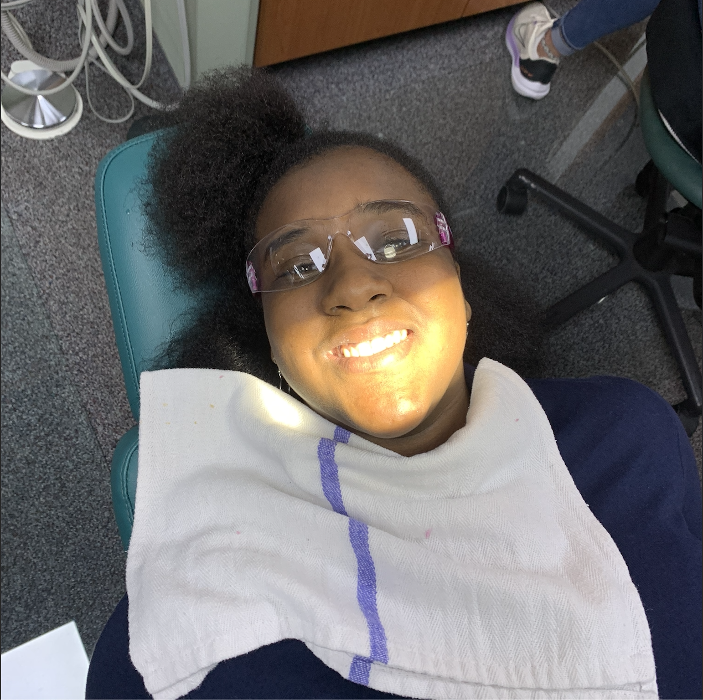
(387, 426)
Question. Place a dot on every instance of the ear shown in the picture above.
(273, 359)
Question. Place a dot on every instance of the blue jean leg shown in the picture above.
(590, 20)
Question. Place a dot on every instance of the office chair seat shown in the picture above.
(682, 171)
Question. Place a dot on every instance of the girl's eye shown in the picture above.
(393, 245)
(300, 268)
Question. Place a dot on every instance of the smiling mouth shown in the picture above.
(367, 348)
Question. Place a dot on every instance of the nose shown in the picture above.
(351, 281)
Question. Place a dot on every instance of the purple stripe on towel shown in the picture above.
(341, 435)
(366, 589)
(359, 538)
(330, 475)
(360, 670)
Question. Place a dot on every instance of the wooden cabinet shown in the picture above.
(475, 7)
(290, 29)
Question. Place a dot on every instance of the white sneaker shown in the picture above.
(530, 73)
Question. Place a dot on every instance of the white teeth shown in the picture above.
(378, 344)
(365, 349)
(374, 346)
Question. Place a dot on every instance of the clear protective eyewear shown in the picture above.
(383, 231)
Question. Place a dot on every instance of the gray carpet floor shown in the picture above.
(443, 93)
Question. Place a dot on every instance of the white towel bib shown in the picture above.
(472, 571)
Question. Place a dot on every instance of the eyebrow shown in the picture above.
(291, 235)
(286, 238)
(383, 206)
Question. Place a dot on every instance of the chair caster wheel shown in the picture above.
(512, 200)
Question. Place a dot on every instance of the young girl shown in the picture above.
(389, 521)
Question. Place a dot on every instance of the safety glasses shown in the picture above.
(383, 231)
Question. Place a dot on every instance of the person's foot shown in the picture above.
(533, 67)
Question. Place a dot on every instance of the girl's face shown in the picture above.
(409, 397)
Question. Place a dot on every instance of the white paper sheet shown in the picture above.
(54, 665)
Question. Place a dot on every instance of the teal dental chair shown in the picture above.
(146, 303)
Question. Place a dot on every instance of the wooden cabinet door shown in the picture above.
(293, 28)
(474, 7)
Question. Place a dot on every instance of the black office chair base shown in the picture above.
(649, 257)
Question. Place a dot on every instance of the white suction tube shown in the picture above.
(93, 49)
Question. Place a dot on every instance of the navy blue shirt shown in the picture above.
(633, 464)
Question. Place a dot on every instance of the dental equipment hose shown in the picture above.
(88, 11)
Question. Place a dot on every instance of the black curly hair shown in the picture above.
(235, 134)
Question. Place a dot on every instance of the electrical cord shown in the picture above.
(622, 73)
(624, 77)
(93, 50)
(9, 31)
(107, 33)
(14, 4)
(18, 37)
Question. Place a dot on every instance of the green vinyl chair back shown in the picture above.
(146, 302)
(677, 166)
